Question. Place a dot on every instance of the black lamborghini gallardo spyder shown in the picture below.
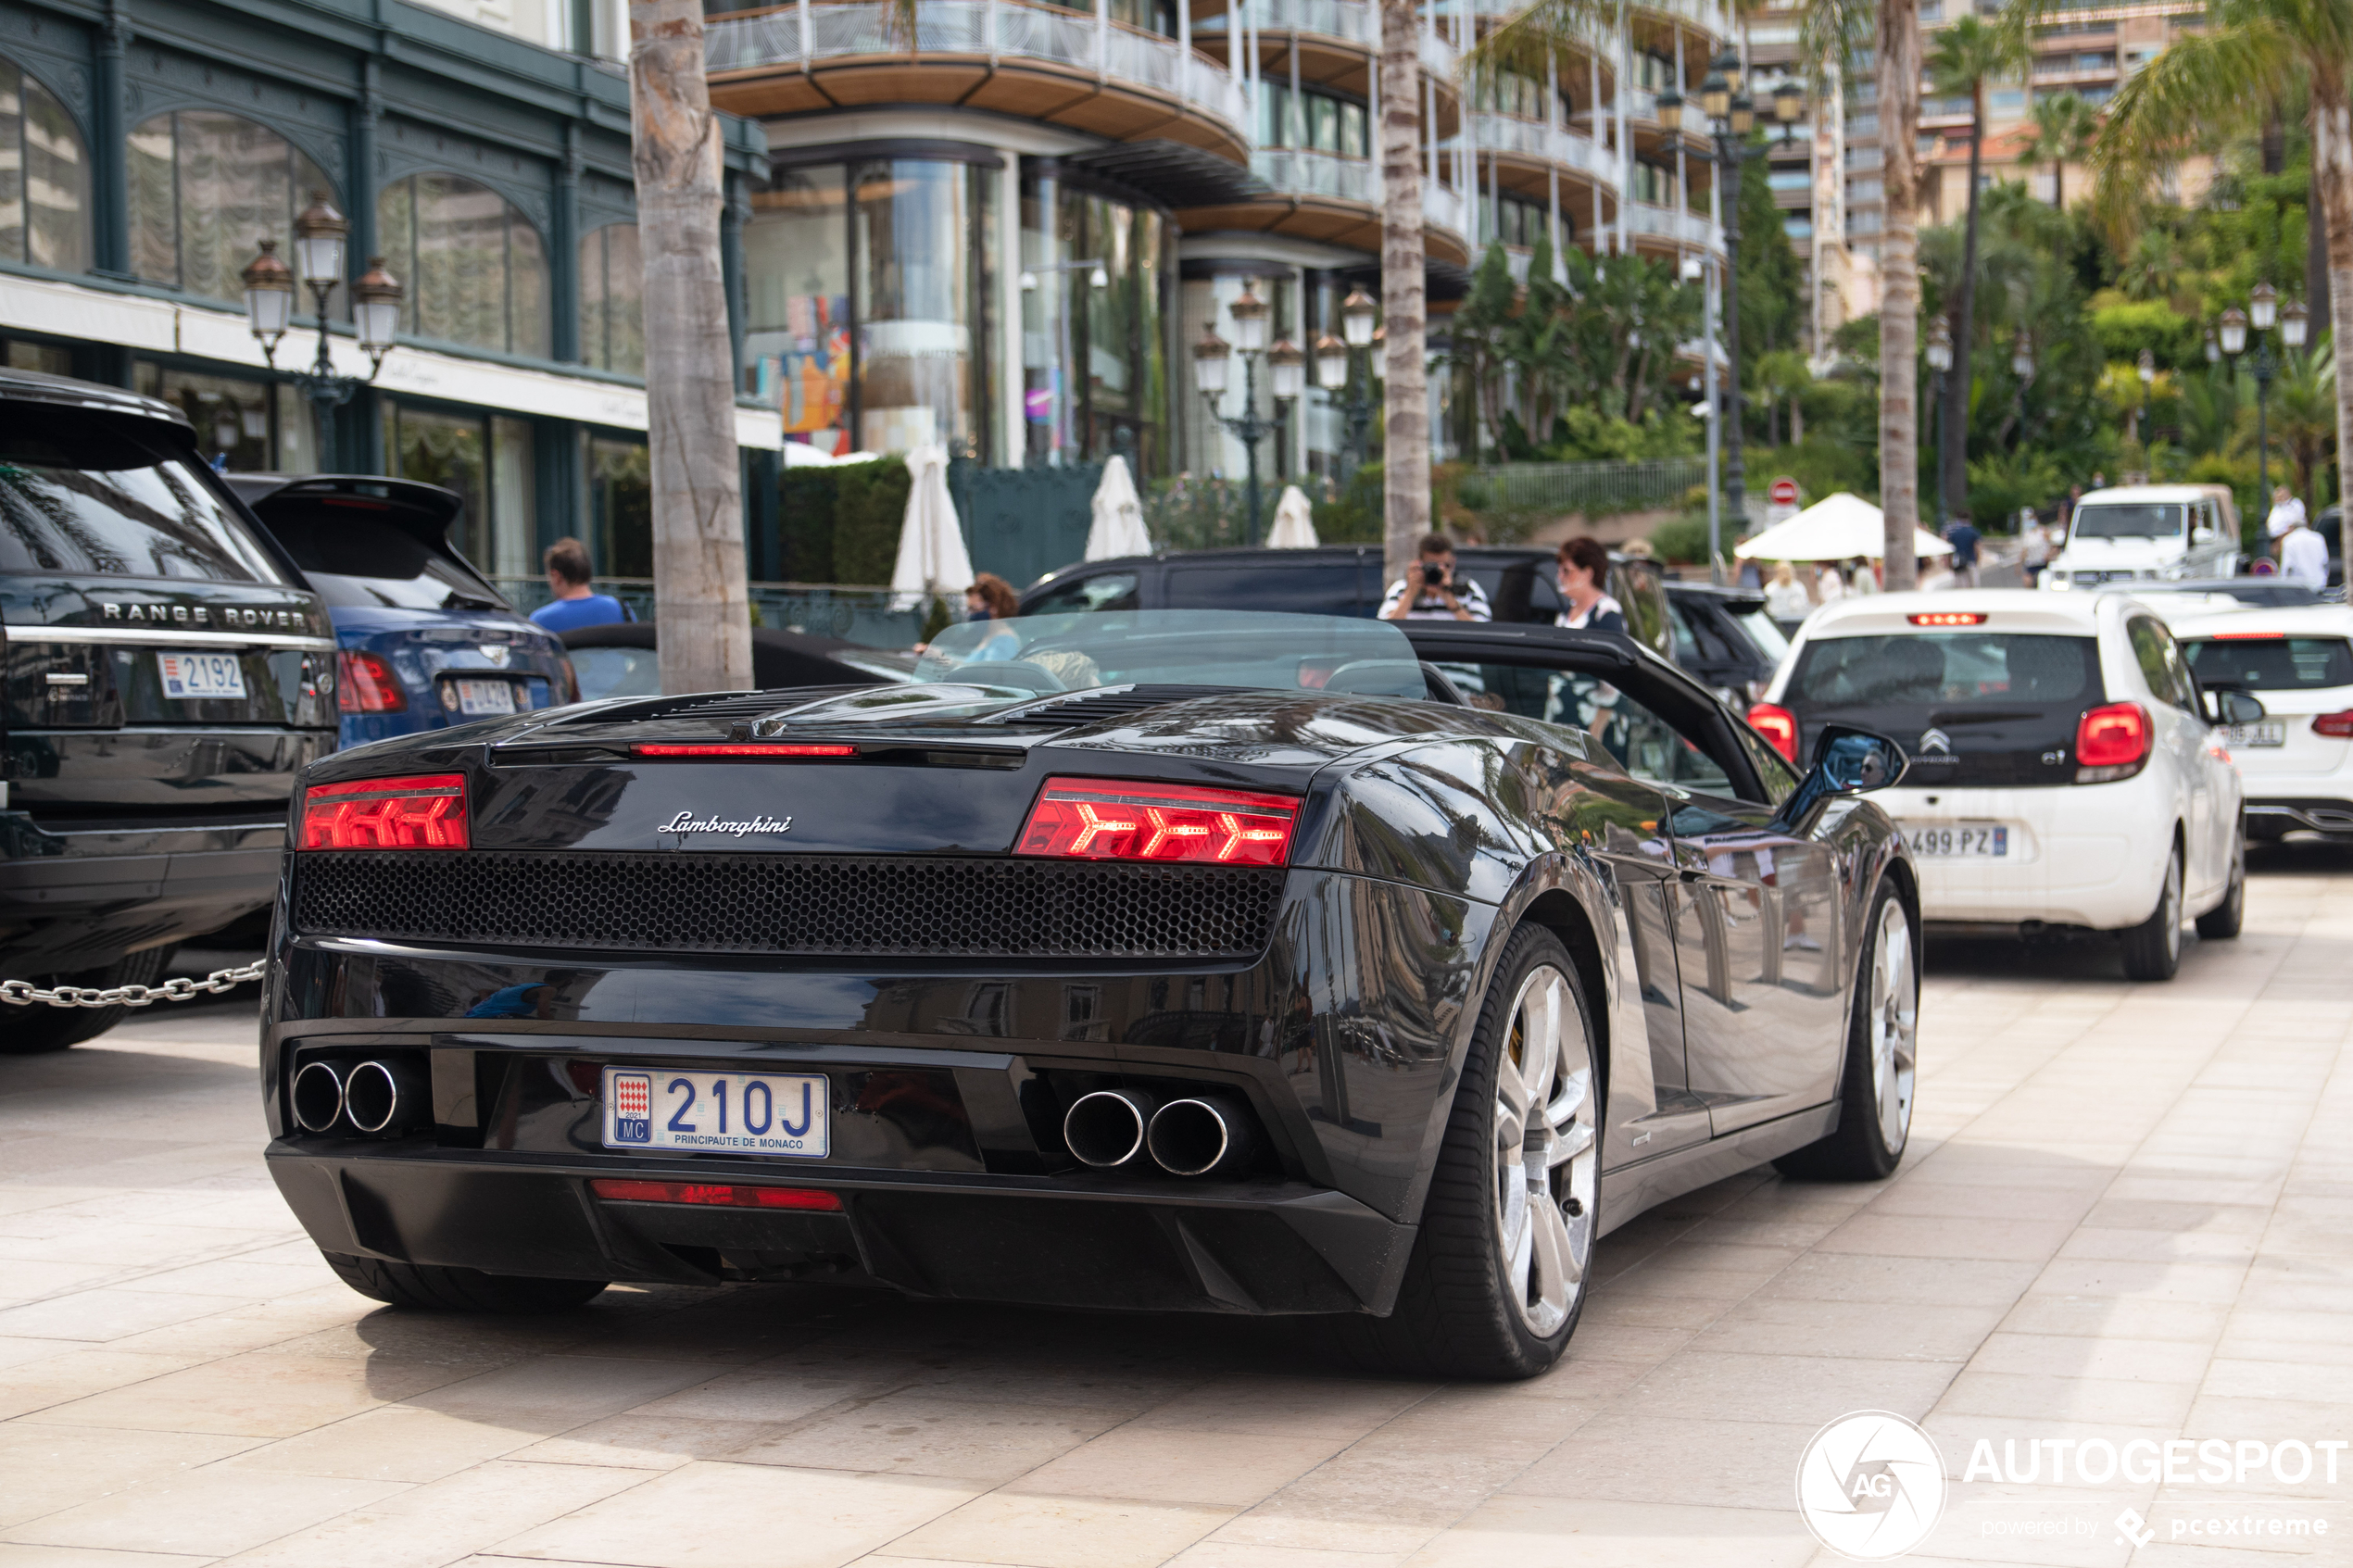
(1162, 959)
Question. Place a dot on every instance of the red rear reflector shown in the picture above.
(1119, 820)
(2249, 636)
(364, 684)
(2114, 736)
(1777, 726)
(1949, 618)
(424, 812)
(714, 1195)
(2337, 724)
(765, 752)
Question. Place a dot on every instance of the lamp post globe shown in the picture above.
(1248, 313)
(1358, 315)
(1286, 369)
(2234, 331)
(1331, 363)
(269, 289)
(1210, 357)
(2263, 307)
(320, 234)
(2296, 325)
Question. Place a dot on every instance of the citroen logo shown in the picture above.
(1935, 740)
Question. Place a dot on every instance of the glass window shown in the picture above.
(914, 232)
(797, 287)
(1643, 743)
(473, 265)
(1354, 140)
(612, 300)
(514, 506)
(2271, 661)
(1113, 590)
(2161, 662)
(204, 187)
(444, 449)
(353, 554)
(232, 417)
(1946, 668)
(44, 177)
(2116, 519)
(621, 508)
(50, 358)
(81, 497)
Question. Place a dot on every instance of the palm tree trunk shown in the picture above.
(1899, 312)
(2333, 180)
(2059, 184)
(1953, 465)
(1405, 444)
(699, 597)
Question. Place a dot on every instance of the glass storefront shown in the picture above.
(44, 177)
(1094, 359)
(247, 426)
(204, 186)
(621, 531)
(797, 295)
(488, 461)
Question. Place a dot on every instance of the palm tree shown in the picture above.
(1969, 55)
(1405, 408)
(2065, 126)
(2251, 56)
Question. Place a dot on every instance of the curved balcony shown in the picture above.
(1534, 139)
(1107, 78)
(1351, 21)
(1682, 229)
(1711, 17)
(1329, 199)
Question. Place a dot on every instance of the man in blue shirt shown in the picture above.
(1964, 539)
(574, 605)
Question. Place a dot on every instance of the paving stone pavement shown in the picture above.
(2127, 1212)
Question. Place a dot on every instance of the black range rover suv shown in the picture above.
(165, 681)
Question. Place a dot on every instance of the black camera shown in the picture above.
(1433, 574)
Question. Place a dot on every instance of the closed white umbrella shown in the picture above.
(1838, 527)
(932, 559)
(1294, 522)
(1118, 525)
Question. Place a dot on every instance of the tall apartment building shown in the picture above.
(1003, 233)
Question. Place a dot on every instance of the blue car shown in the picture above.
(423, 641)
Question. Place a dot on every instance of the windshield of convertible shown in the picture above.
(1178, 647)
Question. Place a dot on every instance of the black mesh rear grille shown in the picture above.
(870, 905)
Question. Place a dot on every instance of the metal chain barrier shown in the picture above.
(24, 993)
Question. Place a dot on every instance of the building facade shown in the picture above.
(146, 146)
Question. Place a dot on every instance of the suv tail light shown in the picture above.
(1777, 726)
(423, 811)
(1120, 819)
(364, 684)
(2337, 724)
(2111, 743)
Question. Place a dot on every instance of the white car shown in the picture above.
(2065, 766)
(2148, 533)
(2299, 759)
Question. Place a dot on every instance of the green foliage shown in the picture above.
(1353, 515)
(805, 517)
(1583, 435)
(1681, 540)
(1773, 282)
(2123, 328)
(2001, 484)
(869, 511)
(1822, 465)
(936, 620)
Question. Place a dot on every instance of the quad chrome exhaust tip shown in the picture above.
(1202, 1135)
(318, 1097)
(378, 1095)
(1105, 1129)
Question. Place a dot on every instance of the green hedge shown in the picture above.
(842, 524)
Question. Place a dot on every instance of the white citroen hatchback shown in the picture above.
(2299, 759)
(2065, 768)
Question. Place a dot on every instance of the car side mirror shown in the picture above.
(2201, 534)
(1846, 761)
(2227, 704)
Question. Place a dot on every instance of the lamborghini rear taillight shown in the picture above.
(1776, 724)
(365, 684)
(423, 811)
(2111, 743)
(1117, 819)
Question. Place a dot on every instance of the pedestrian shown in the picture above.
(1751, 576)
(2066, 508)
(1582, 571)
(1963, 537)
(574, 603)
(2287, 511)
(1934, 574)
(2034, 549)
(1861, 576)
(2304, 555)
(1786, 600)
(991, 598)
(1828, 586)
(1430, 591)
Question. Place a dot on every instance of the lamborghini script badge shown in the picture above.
(686, 821)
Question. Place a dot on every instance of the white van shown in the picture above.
(2147, 531)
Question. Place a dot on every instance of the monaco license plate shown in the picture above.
(727, 1112)
(2271, 732)
(192, 677)
(1969, 839)
(483, 698)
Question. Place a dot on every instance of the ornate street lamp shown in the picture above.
(321, 235)
(1939, 354)
(1358, 316)
(1287, 374)
(2263, 313)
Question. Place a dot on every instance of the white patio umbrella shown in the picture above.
(1838, 527)
(1294, 522)
(932, 559)
(1118, 527)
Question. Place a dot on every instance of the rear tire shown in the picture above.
(27, 1031)
(1499, 1273)
(432, 1288)
(2153, 948)
(2225, 920)
(1877, 1082)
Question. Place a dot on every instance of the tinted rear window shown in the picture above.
(1303, 589)
(2119, 520)
(354, 558)
(1946, 668)
(86, 495)
(2271, 664)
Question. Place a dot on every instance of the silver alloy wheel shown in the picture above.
(2170, 906)
(1894, 1020)
(1547, 1156)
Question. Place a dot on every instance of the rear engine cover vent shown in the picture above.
(1110, 702)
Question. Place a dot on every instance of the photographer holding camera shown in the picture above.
(1431, 592)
